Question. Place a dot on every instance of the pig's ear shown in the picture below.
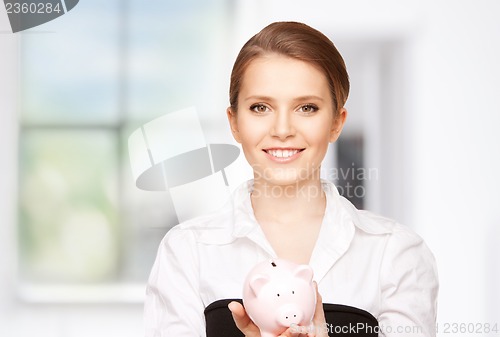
(257, 282)
(303, 272)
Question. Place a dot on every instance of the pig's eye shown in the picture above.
(278, 295)
(293, 292)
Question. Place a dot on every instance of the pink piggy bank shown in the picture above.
(278, 294)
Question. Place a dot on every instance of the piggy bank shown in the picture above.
(278, 294)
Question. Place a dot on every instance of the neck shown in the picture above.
(288, 204)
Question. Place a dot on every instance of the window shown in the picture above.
(85, 86)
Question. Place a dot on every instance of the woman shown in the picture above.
(287, 94)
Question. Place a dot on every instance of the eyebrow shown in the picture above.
(296, 99)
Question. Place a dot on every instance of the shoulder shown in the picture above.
(396, 237)
(372, 223)
(209, 228)
(378, 229)
(364, 221)
(218, 227)
(403, 250)
(403, 247)
(375, 223)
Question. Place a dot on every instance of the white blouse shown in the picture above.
(360, 260)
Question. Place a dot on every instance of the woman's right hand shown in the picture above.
(249, 329)
(242, 321)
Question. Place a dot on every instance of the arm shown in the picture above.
(409, 287)
(173, 306)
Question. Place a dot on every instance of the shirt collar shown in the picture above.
(245, 222)
(339, 213)
(244, 217)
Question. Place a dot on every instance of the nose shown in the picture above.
(283, 125)
(290, 314)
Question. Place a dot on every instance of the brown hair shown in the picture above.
(299, 41)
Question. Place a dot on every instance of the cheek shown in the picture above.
(251, 131)
(318, 134)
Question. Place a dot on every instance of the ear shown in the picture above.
(233, 123)
(338, 125)
(257, 282)
(303, 272)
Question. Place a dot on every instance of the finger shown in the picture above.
(319, 314)
(295, 331)
(242, 321)
(319, 321)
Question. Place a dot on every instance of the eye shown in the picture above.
(308, 108)
(259, 108)
(278, 295)
(293, 292)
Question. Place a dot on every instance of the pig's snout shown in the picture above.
(290, 314)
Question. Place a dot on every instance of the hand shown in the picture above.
(249, 329)
(242, 321)
(319, 327)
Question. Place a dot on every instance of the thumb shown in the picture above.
(241, 319)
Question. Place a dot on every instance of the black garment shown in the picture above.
(342, 320)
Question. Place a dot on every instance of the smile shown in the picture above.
(283, 154)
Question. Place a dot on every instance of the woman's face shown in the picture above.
(285, 119)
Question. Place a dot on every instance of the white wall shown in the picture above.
(456, 167)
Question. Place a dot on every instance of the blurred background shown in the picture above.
(79, 238)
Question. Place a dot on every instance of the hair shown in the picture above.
(298, 41)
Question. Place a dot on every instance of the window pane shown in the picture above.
(68, 229)
(176, 51)
(70, 69)
(146, 215)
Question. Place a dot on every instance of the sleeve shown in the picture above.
(409, 287)
(173, 306)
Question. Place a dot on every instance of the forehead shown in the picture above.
(282, 76)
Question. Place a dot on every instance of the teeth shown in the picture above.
(282, 153)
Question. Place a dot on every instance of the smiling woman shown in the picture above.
(287, 125)
(288, 89)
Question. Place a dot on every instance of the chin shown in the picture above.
(285, 177)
